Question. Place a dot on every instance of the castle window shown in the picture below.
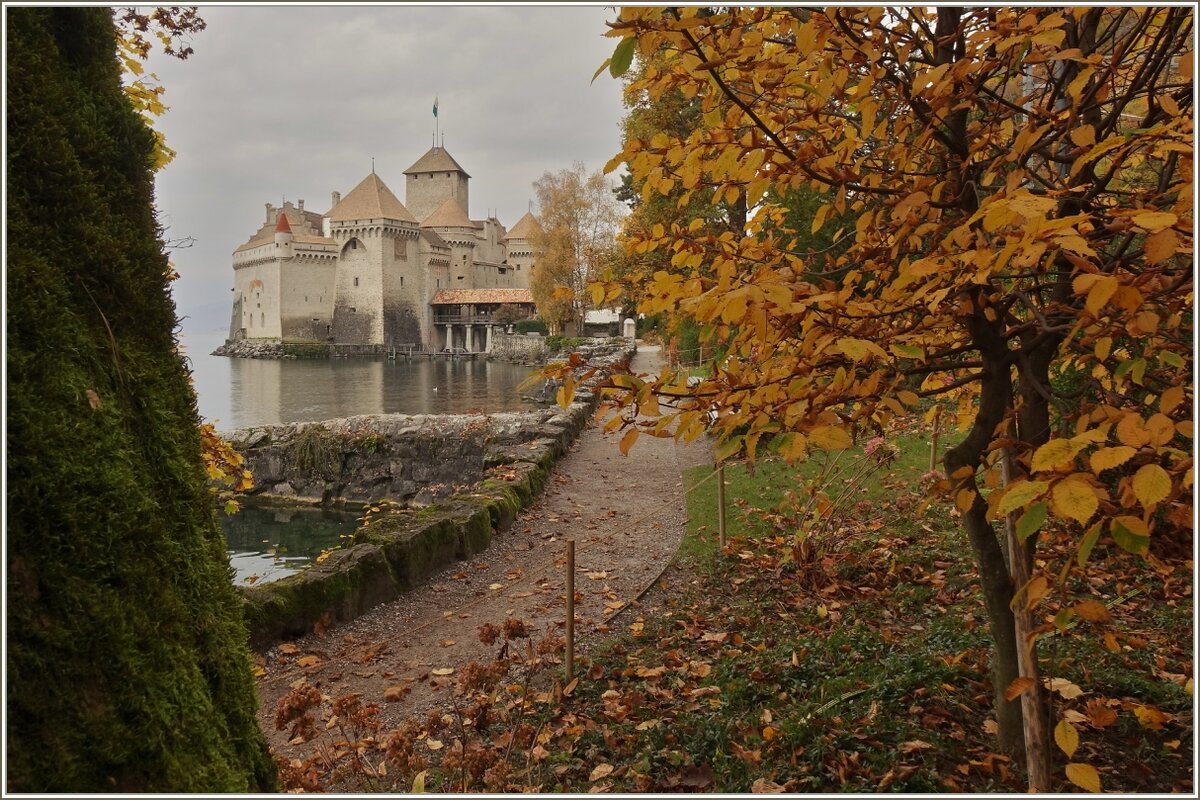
(353, 244)
(401, 281)
(356, 281)
(262, 319)
(353, 309)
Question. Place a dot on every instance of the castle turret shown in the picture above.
(432, 180)
(283, 237)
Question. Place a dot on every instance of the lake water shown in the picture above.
(241, 392)
(266, 544)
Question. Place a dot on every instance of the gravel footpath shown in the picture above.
(627, 517)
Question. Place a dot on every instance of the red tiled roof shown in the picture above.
(453, 297)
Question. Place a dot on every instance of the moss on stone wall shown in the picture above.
(126, 656)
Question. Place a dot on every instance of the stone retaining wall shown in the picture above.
(518, 347)
(511, 455)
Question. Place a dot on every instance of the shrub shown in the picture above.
(531, 326)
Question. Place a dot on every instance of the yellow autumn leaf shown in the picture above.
(1110, 457)
(1019, 494)
(830, 437)
(1100, 292)
(1084, 776)
(859, 349)
(1161, 429)
(1151, 484)
(628, 440)
(1054, 454)
(1066, 737)
(1155, 221)
(1074, 498)
(1132, 431)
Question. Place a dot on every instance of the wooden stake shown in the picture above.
(721, 505)
(933, 451)
(570, 609)
(1037, 753)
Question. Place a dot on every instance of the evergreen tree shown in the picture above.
(127, 662)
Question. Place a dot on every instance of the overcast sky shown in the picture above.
(294, 101)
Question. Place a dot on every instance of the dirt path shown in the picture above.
(627, 516)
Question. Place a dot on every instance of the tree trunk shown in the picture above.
(127, 662)
(994, 403)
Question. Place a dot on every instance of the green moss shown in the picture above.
(126, 660)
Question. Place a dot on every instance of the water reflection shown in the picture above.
(266, 544)
(241, 392)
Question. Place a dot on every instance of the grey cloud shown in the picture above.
(294, 101)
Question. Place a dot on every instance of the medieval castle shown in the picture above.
(375, 271)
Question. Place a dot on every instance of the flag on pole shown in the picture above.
(435, 105)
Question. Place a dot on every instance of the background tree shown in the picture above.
(126, 655)
(579, 216)
(1021, 183)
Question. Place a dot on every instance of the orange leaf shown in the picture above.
(1160, 246)
(1092, 611)
(1018, 687)
(628, 439)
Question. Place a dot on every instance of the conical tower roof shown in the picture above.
(524, 228)
(282, 225)
(448, 215)
(371, 199)
(436, 160)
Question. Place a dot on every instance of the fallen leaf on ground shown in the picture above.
(600, 771)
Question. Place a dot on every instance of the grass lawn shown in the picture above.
(864, 668)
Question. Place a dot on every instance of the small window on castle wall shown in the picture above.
(401, 281)
(353, 244)
(356, 281)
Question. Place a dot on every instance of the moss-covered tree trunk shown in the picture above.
(127, 663)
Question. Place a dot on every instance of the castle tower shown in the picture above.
(521, 255)
(380, 295)
(283, 238)
(457, 230)
(434, 178)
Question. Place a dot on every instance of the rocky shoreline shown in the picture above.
(251, 348)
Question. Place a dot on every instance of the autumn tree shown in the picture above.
(1021, 184)
(127, 666)
(579, 216)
